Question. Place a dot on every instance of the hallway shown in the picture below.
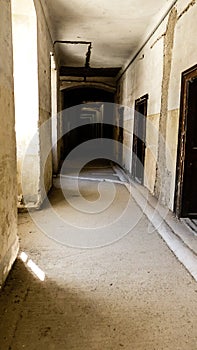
(130, 294)
(98, 169)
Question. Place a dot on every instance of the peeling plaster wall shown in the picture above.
(144, 76)
(157, 72)
(163, 172)
(8, 199)
(184, 51)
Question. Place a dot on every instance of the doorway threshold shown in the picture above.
(191, 224)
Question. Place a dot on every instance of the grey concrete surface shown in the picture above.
(132, 294)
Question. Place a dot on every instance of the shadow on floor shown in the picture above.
(44, 315)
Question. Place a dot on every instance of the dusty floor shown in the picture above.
(131, 294)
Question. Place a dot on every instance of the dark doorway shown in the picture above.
(139, 139)
(186, 183)
(90, 105)
(120, 134)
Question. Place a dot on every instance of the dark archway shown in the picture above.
(76, 96)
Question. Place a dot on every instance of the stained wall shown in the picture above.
(8, 179)
(157, 71)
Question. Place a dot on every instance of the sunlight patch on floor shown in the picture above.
(32, 266)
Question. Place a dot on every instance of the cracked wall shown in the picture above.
(156, 71)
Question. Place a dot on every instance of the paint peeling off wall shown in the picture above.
(144, 76)
(184, 52)
(8, 181)
(163, 173)
(157, 72)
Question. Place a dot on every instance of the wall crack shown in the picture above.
(191, 4)
(159, 38)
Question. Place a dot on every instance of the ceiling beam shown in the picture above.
(89, 72)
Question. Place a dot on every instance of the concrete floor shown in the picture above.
(130, 294)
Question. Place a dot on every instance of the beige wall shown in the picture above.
(32, 63)
(45, 47)
(57, 115)
(8, 198)
(156, 71)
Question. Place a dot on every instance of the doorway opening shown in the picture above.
(88, 114)
(139, 139)
(186, 188)
(120, 135)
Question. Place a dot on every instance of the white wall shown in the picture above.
(24, 29)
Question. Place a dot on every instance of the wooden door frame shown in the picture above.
(142, 100)
(186, 77)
